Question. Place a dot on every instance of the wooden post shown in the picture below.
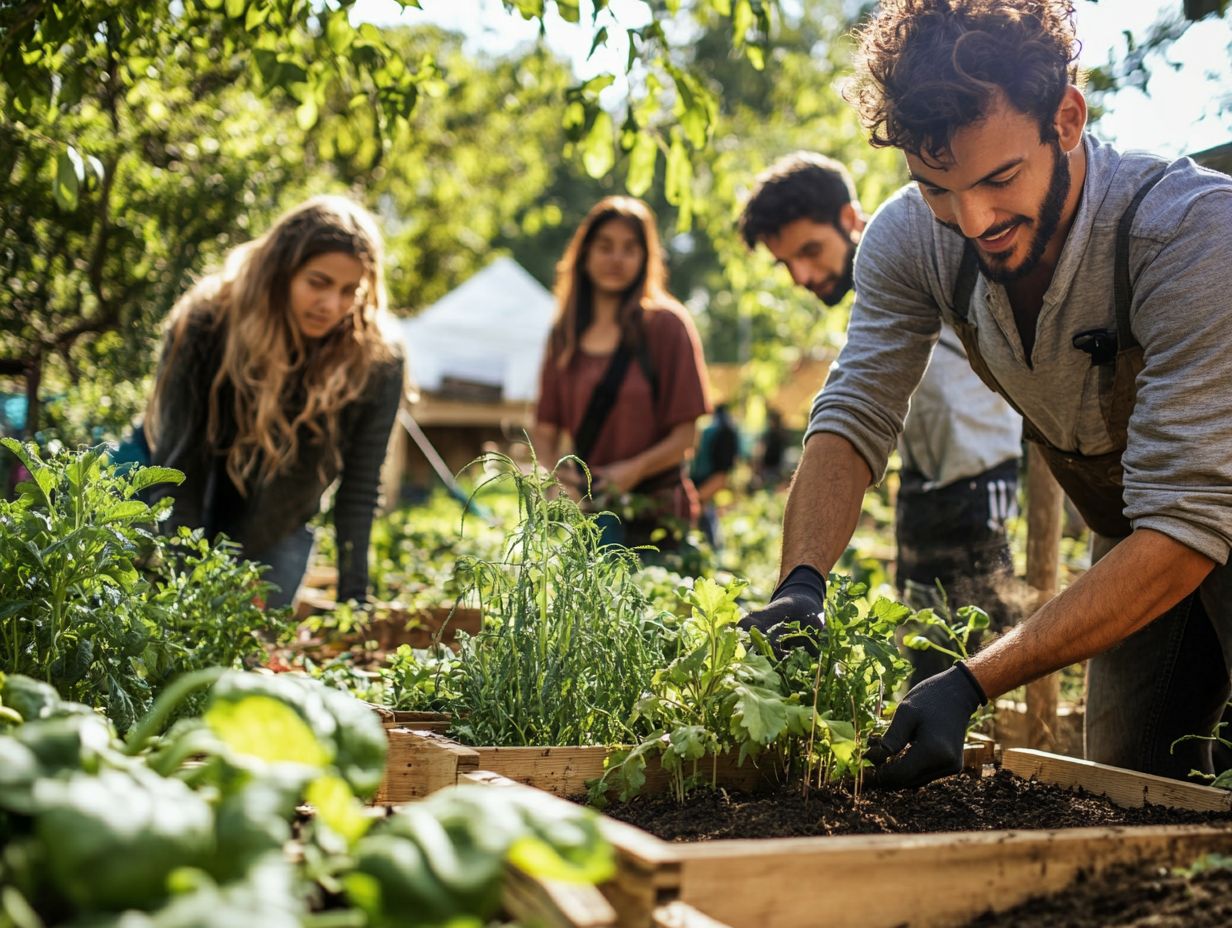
(1044, 502)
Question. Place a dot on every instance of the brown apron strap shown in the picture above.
(1095, 483)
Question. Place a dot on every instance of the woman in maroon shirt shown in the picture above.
(619, 333)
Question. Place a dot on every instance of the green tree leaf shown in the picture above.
(642, 158)
(69, 175)
(599, 146)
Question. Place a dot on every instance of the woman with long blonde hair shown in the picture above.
(623, 376)
(275, 379)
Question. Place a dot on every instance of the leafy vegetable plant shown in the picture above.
(198, 826)
(806, 715)
(92, 602)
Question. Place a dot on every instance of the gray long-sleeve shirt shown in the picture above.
(1178, 464)
(957, 427)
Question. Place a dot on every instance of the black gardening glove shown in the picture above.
(801, 597)
(932, 719)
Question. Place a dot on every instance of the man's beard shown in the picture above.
(842, 285)
(1049, 218)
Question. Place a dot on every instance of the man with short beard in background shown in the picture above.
(961, 442)
(1091, 289)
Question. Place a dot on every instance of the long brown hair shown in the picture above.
(280, 382)
(575, 292)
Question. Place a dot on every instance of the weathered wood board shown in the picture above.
(422, 761)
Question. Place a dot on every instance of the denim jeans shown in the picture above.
(1167, 680)
(287, 561)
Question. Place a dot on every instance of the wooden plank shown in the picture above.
(978, 751)
(420, 721)
(679, 915)
(562, 771)
(1124, 787)
(925, 881)
(421, 628)
(420, 763)
(1010, 727)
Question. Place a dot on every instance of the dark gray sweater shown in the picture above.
(269, 512)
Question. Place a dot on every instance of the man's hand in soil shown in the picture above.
(931, 722)
(801, 597)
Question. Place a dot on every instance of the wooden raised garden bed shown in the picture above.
(423, 761)
(920, 880)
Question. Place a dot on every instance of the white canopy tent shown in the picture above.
(491, 330)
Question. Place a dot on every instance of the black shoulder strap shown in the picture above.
(599, 407)
(964, 285)
(646, 363)
(1122, 287)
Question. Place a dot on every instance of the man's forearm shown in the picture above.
(824, 503)
(1140, 579)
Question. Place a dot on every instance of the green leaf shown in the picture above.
(537, 858)
(338, 32)
(337, 807)
(600, 39)
(679, 178)
(761, 713)
(642, 163)
(689, 741)
(256, 16)
(235, 8)
(70, 171)
(148, 476)
(890, 612)
(306, 113)
(599, 146)
(266, 729)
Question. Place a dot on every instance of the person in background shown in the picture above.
(771, 452)
(717, 452)
(276, 379)
(623, 380)
(961, 442)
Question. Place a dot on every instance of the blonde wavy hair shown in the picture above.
(280, 382)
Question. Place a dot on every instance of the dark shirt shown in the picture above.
(268, 512)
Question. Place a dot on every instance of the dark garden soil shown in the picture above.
(965, 802)
(1128, 898)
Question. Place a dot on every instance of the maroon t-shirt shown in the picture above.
(636, 422)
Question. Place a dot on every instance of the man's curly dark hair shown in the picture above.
(927, 68)
(803, 185)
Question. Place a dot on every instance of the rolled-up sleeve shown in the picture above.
(895, 321)
(1178, 464)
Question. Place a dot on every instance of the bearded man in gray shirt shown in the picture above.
(1091, 289)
